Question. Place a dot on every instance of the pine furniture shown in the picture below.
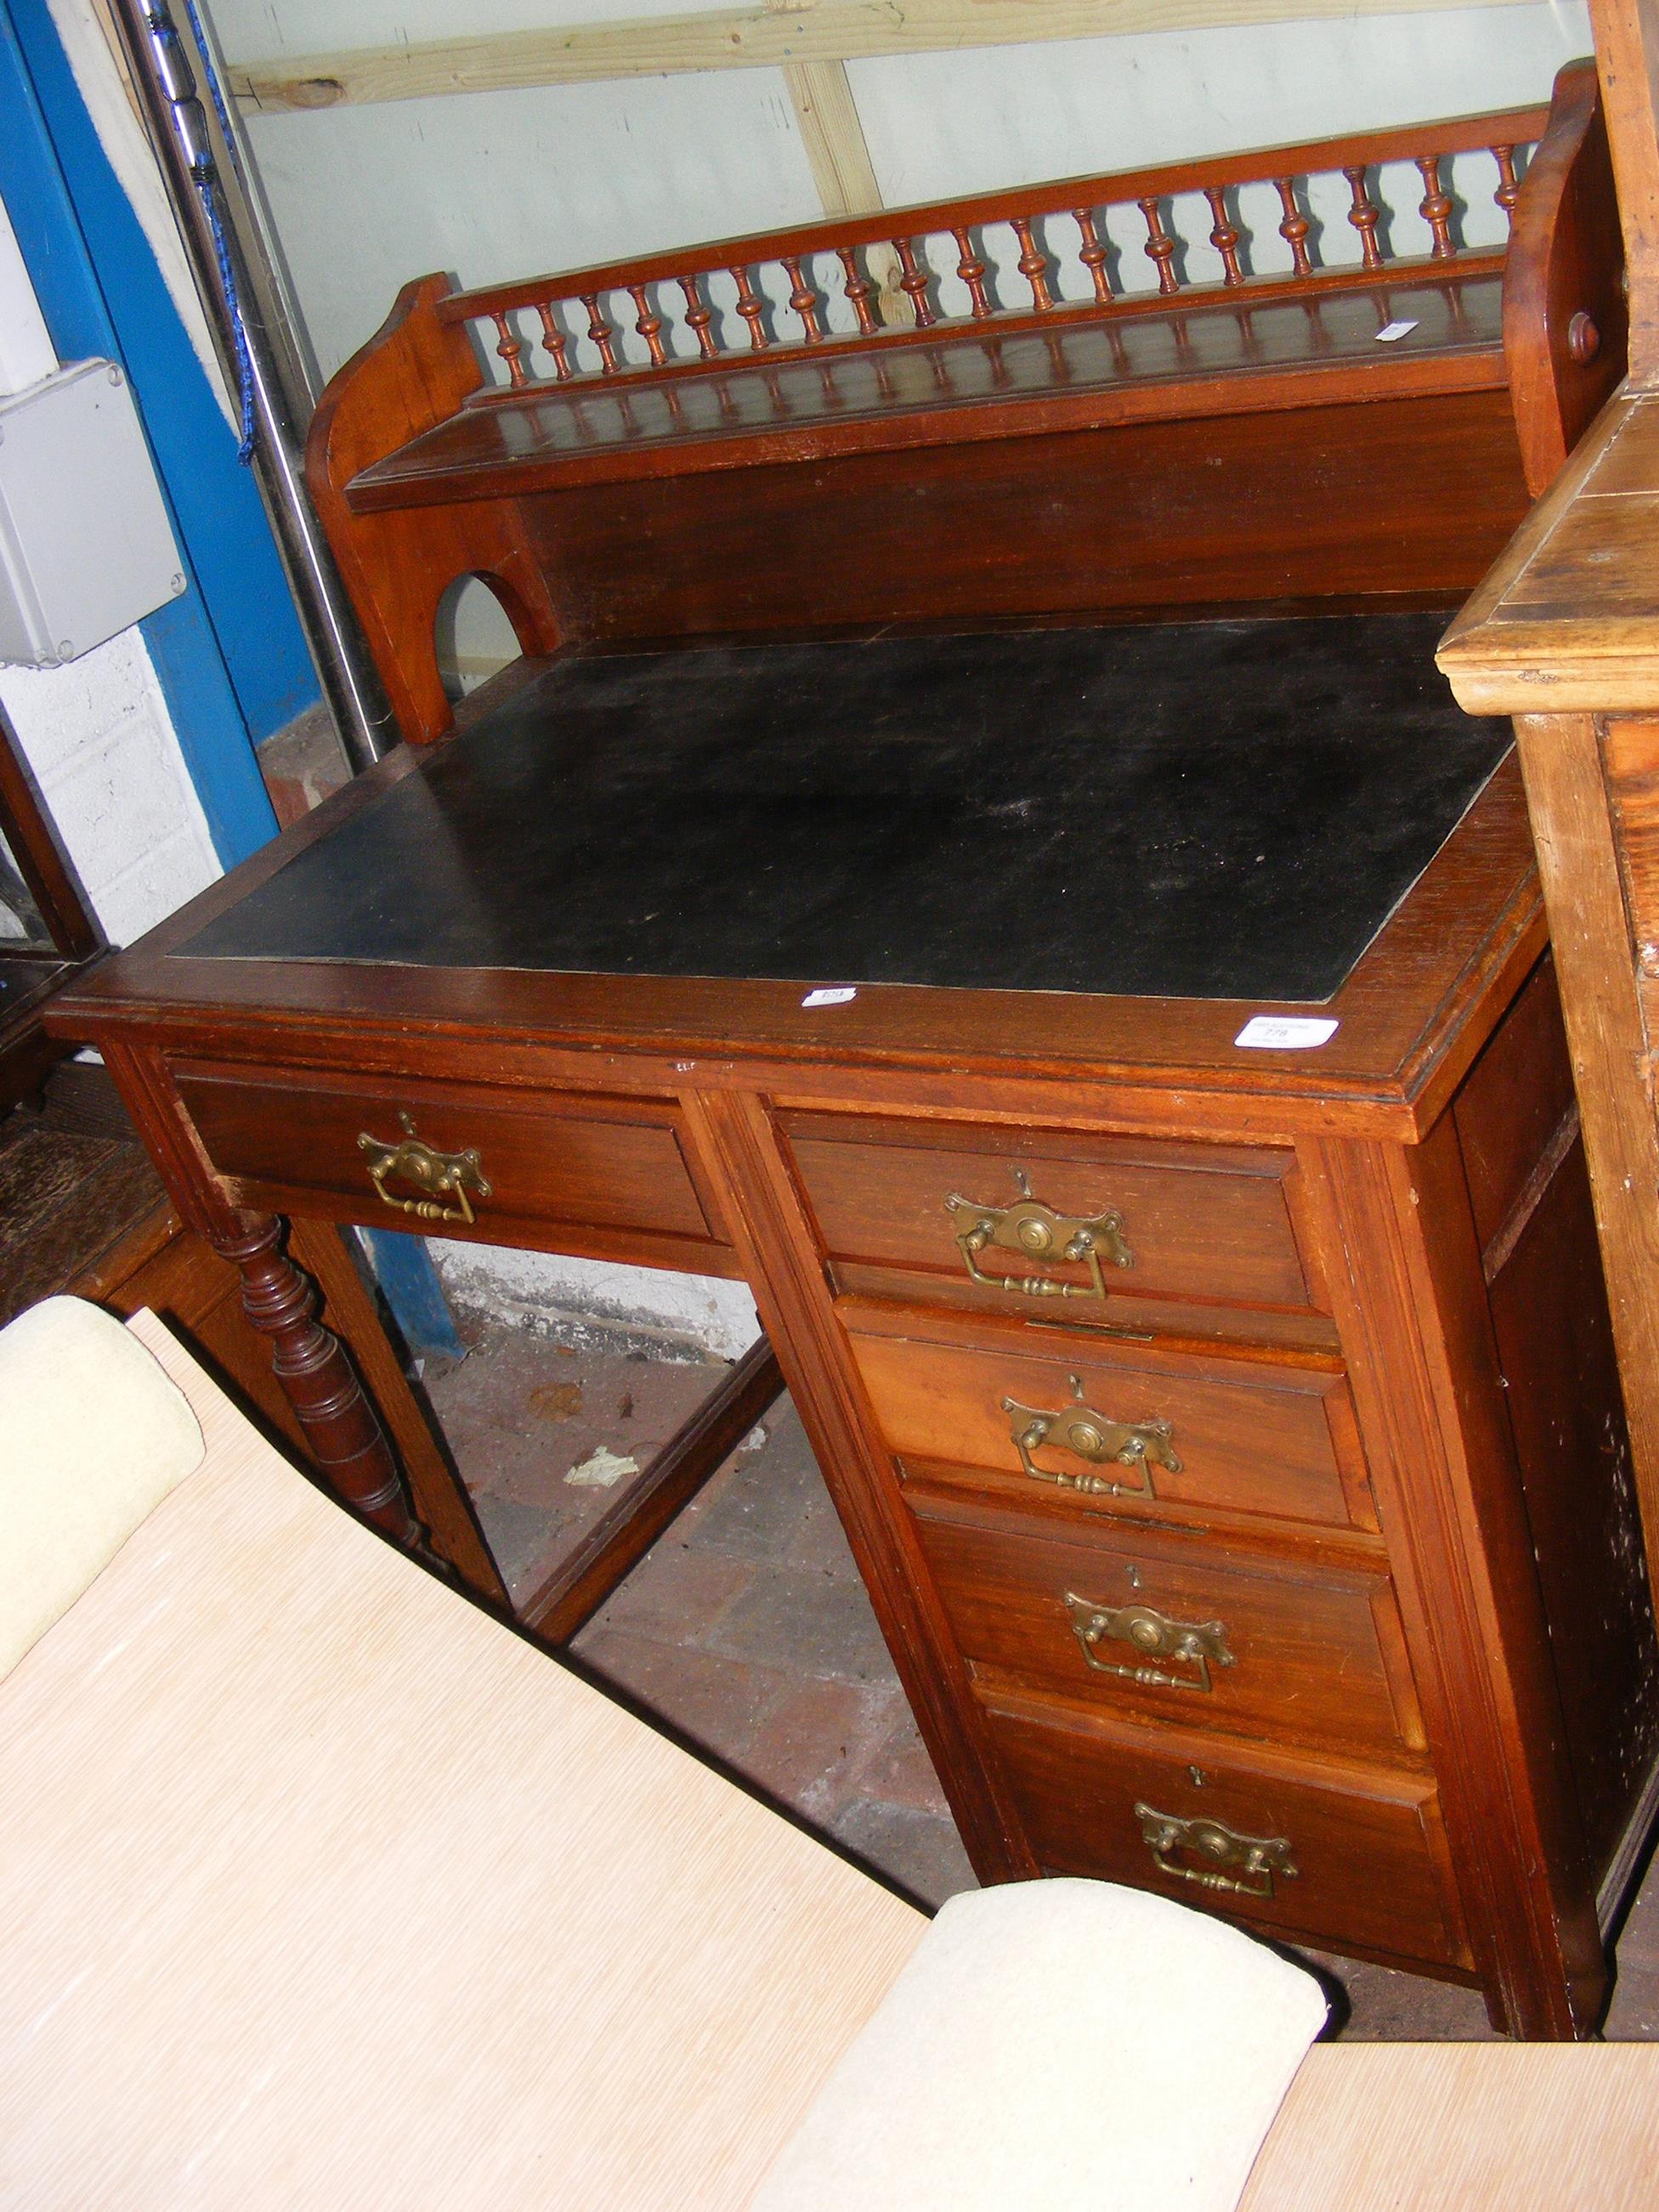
(854, 891)
(1562, 636)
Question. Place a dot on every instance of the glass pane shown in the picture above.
(20, 918)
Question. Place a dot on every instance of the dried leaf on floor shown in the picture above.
(556, 1402)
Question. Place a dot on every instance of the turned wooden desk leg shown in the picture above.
(318, 1378)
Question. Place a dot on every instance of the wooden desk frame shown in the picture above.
(1389, 1184)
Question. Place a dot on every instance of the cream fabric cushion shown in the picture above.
(1058, 2044)
(93, 1436)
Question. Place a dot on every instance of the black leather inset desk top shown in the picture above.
(1205, 810)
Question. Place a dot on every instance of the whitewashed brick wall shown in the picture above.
(525, 1288)
(105, 754)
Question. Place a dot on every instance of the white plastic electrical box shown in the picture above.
(86, 547)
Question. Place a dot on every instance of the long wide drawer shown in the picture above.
(602, 1175)
(1082, 1427)
(1028, 1221)
(1358, 1859)
(1155, 1627)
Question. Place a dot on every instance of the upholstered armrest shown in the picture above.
(1058, 2042)
(93, 1436)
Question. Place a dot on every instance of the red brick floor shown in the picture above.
(747, 1632)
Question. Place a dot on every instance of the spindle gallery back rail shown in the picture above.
(1064, 449)
(887, 275)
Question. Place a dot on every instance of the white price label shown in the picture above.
(1390, 331)
(838, 997)
(1285, 1032)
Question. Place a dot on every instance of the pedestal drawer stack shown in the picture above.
(1116, 1394)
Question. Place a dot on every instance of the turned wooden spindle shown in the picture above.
(511, 350)
(699, 315)
(971, 270)
(601, 333)
(913, 281)
(1509, 185)
(1033, 264)
(1092, 253)
(1364, 214)
(1160, 247)
(553, 340)
(802, 298)
(1435, 208)
(859, 290)
(752, 308)
(1295, 227)
(1225, 235)
(316, 1378)
(648, 324)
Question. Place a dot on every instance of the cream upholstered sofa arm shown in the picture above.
(1058, 2044)
(93, 1436)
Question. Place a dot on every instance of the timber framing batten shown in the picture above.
(743, 37)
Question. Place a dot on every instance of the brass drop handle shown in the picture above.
(441, 1175)
(1095, 1439)
(1198, 1644)
(1032, 1231)
(1258, 1858)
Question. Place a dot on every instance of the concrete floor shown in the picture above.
(747, 1631)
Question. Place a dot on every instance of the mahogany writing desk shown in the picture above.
(1229, 1438)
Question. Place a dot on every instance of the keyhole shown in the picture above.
(1195, 1775)
(1135, 1578)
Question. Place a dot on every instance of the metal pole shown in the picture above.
(162, 71)
(247, 213)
